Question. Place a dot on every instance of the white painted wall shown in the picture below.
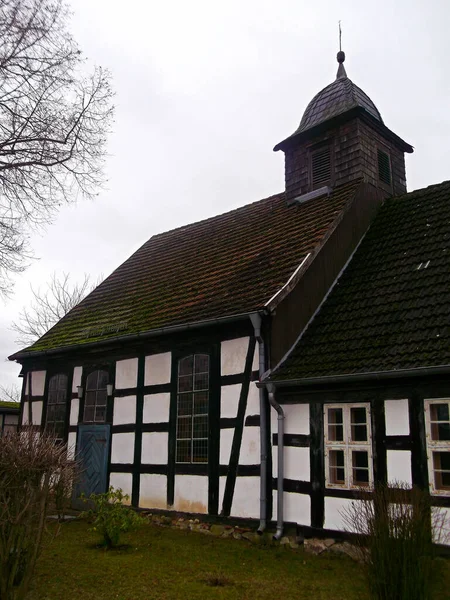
(153, 491)
(296, 463)
(222, 483)
(191, 493)
(155, 448)
(126, 373)
(25, 413)
(74, 410)
(246, 498)
(76, 381)
(441, 525)
(255, 363)
(397, 417)
(122, 448)
(156, 408)
(296, 419)
(334, 513)
(399, 466)
(37, 383)
(36, 412)
(252, 400)
(124, 481)
(124, 410)
(226, 440)
(158, 368)
(232, 356)
(250, 454)
(229, 400)
(297, 508)
(71, 444)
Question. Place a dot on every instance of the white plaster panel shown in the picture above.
(255, 363)
(252, 400)
(122, 448)
(123, 481)
(250, 454)
(399, 466)
(156, 408)
(36, 412)
(126, 373)
(153, 491)
(297, 508)
(246, 498)
(158, 368)
(335, 513)
(74, 411)
(296, 418)
(76, 381)
(25, 413)
(441, 526)
(124, 410)
(229, 400)
(191, 493)
(232, 356)
(226, 440)
(397, 417)
(71, 444)
(296, 463)
(154, 448)
(37, 383)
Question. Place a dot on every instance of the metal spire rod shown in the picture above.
(340, 37)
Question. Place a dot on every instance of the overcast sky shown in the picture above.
(205, 89)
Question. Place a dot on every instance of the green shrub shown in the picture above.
(396, 527)
(110, 517)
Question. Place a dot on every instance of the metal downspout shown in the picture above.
(280, 473)
(256, 322)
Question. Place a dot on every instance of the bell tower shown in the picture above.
(342, 137)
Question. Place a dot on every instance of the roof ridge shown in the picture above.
(418, 191)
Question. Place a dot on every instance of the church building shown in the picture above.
(269, 362)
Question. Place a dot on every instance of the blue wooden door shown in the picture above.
(92, 452)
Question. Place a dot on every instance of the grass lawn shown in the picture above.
(172, 564)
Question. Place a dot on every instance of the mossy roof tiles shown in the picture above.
(226, 265)
(390, 309)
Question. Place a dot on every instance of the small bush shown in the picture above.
(396, 526)
(110, 517)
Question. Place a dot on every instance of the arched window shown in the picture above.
(57, 405)
(192, 409)
(95, 398)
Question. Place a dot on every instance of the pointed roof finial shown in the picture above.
(340, 57)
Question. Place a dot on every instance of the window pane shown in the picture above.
(101, 398)
(184, 404)
(186, 366)
(91, 381)
(184, 451)
(201, 381)
(185, 383)
(201, 363)
(89, 399)
(102, 380)
(440, 422)
(335, 425)
(337, 468)
(201, 403)
(358, 419)
(50, 413)
(200, 427)
(184, 428)
(53, 384)
(360, 464)
(100, 414)
(441, 464)
(439, 412)
(200, 451)
(11, 419)
(88, 413)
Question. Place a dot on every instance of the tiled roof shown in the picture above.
(6, 405)
(337, 98)
(390, 309)
(227, 265)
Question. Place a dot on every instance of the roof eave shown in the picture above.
(23, 355)
(358, 111)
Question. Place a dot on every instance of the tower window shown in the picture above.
(384, 167)
(321, 166)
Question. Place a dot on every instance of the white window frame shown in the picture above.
(348, 446)
(434, 445)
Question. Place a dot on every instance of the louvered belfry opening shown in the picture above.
(384, 167)
(321, 167)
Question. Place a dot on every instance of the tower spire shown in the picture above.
(340, 57)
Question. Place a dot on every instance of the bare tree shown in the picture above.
(54, 120)
(49, 305)
(10, 393)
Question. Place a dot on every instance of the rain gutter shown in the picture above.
(280, 460)
(132, 337)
